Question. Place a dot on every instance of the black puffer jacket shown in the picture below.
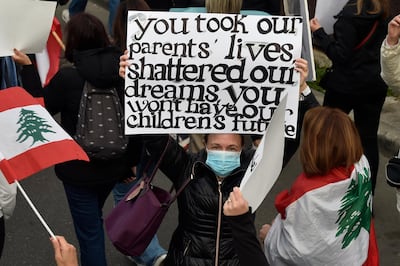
(194, 241)
(62, 95)
(354, 71)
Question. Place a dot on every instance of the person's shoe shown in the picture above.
(65, 15)
(160, 260)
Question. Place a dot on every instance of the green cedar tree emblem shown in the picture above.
(355, 209)
(32, 125)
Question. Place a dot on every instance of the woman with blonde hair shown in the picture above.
(224, 6)
(273, 7)
(203, 236)
(354, 82)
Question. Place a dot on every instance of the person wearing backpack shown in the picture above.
(87, 184)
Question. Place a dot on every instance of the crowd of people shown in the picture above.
(326, 216)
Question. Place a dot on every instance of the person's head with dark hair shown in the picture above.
(330, 140)
(119, 24)
(84, 32)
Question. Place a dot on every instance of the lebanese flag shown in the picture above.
(48, 61)
(31, 140)
(325, 221)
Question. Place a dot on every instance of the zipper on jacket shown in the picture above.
(187, 247)
(219, 223)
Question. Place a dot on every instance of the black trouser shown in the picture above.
(2, 235)
(367, 110)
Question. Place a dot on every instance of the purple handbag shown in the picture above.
(134, 221)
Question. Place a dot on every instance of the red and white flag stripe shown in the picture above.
(31, 139)
(309, 229)
(48, 60)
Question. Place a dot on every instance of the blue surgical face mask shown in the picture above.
(223, 162)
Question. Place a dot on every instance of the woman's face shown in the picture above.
(224, 142)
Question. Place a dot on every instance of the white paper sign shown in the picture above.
(25, 25)
(266, 165)
(325, 12)
(300, 8)
(210, 73)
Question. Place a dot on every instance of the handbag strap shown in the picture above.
(180, 190)
(361, 44)
(149, 179)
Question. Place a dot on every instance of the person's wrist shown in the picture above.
(303, 86)
(304, 93)
(390, 41)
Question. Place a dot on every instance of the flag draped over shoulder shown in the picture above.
(31, 139)
(325, 221)
(48, 60)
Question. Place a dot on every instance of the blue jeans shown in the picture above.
(77, 6)
(112, 7)
(8, 70)
(86, 204)
(153, 250)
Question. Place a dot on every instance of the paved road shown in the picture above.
(27, 241)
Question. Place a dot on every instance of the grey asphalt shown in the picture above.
(27, 242)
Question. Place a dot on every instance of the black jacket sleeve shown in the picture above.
(31, 80)
(291, 145)
(175, 161)
(247, 246)
(55, 96)
(340, 48)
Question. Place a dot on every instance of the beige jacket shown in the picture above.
(8, 194)
(390, 63)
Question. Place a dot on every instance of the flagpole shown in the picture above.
(35, 210)
(58, 39)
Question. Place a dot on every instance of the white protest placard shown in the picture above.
(300, 8)
(25, 25)
(266, 165)
(210, 73)
(325, 12)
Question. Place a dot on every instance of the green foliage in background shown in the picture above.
(315, 84)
